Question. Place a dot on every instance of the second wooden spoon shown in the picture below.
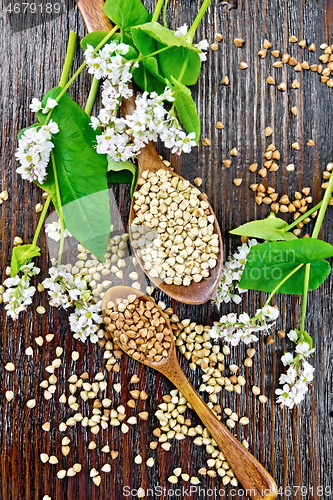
(252, 475)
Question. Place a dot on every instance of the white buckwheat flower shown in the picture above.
(304, 349)
(232, 271)
(271, 313)
(50, 104)
(53, 230)
(35, 105)
(19, 293)
(181, 31)
(34, 150)
(84, 322)
(287, 358)
(68, 290)
(203, 47)
(123, 138)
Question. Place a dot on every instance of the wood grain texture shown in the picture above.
(296, 447)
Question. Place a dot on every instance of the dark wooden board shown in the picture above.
(296, 446)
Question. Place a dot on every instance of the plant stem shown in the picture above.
(68, 59)
(181, 74)
(326, 199)
(78, 71)
(141, 57)
(164, 13)
(62, 225)
(305, 294)
(92, 96)
(197, 20)
(61, 246)
(315, 233)
(41, 220)
(157, 10)
(304, 216)
(281, 283)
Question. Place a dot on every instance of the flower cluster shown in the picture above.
(34, 150)
(202, 46)
(123, 138)
(53, 230)
(295, 383)
(233, 329)
(231, 275)
(68, 290)
(19, 293)
(109, 63)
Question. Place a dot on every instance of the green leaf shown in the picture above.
(118, 172)
(270, 229)
(20, 255)
(172, 64)
(82, 178)
(95, 37)
(186, 108)
(126, 13)
(173, 60)
(143, 42)
(147, 77)
(269, 263)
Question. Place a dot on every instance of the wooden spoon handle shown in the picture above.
(254, 478)
(93, 15)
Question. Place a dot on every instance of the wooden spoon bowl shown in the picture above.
(251, 474)
(195, 293)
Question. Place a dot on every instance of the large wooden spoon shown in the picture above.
(148, 159)
(252, 475)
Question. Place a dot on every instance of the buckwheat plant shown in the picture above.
(296, 381)
(234, 329)
(70, 154)
(290, 265)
